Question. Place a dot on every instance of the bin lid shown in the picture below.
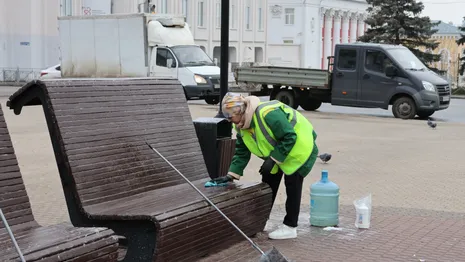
(213, 120)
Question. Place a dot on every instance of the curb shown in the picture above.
(458, 96)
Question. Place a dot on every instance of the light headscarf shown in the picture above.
(233, 104)
(236, 104)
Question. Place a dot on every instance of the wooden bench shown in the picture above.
(111, 178)
(61, 242)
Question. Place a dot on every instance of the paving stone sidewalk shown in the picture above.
(396, 234)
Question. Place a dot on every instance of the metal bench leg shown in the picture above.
(140, 239)
(12, 236)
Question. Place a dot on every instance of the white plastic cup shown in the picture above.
(362, 219)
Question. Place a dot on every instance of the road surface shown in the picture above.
(455, 113)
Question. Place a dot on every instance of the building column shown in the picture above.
(361, 24)
(327, 39)
(322, 28)
(353, 27)
(337, 29)
(345, 27)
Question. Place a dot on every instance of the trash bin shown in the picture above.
(214, 136)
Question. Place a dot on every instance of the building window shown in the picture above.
(218, 15)
(184, 9)
(247, 17)
(347, 59)
(164, 6)
(260, 15)
(289, 15)
(66, 7)
(200, 21)
(233, 15)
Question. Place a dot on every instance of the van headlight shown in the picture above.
(428, 86)
(200, 79)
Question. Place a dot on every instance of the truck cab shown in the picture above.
(379, 75)
(175, 54)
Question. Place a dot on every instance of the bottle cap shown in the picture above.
(324, 175)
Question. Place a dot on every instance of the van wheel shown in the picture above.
(287, 97)
(310, 104)
(425, 114)
(404, 108)
(212, 100)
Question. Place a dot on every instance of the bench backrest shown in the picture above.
(14, 200)
(103, 125)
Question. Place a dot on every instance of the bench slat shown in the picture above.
(11, 182)
(11, 175)
(116, 105)
(14, 188)
(115, 132)
(73, 124)
(5, 142)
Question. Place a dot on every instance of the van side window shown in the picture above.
(162, 57)
(347, 59)
(376, 61)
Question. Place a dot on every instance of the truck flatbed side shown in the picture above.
(282, 76)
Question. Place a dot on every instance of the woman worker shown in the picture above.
(283, 138)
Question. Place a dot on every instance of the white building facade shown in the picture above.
(303, 33)
(247, 24)
(29, 28)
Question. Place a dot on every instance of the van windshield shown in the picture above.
(406, 59)
(192, 56)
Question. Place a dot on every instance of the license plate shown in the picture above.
(217, 86)
(445, 98)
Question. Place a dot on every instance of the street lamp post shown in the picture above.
(224, 54)
(214, 133)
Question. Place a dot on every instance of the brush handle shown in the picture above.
(208, 200)
(12, 236)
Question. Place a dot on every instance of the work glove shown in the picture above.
(267, 166)
(223, 179)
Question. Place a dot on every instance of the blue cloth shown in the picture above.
(214, 184)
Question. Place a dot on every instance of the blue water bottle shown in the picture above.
(324, 202)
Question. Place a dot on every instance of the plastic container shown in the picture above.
(324, 202)
(363, 212)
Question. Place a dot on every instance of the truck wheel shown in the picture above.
(212, 100)
(425, 114)
(287, 97)
(404, 108)
(310, 104)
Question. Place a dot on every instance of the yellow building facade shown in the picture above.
(450, 52)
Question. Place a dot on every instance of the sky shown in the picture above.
(445, 10)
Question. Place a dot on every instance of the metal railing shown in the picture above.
(11, 76)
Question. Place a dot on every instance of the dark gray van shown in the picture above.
(377, 75)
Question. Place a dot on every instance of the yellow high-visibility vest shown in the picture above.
(261, 142)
